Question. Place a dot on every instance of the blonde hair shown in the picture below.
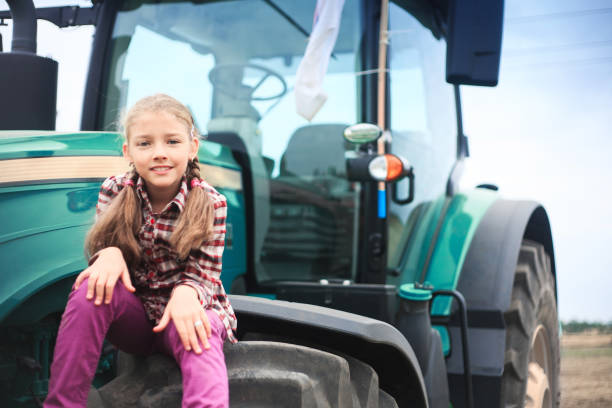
(120, 223)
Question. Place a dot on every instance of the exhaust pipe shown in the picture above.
(28, 81)
(24, 26)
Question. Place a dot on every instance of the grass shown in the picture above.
(587, 352)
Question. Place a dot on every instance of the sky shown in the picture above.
(544, 133)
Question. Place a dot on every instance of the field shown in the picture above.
(586, 370)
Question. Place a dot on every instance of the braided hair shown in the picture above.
(195, 224)
(119, 224)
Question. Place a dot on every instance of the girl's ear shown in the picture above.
(126, 153)
(195, 145)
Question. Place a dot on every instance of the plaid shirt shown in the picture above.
(161, 269)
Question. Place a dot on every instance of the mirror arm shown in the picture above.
(462, 141)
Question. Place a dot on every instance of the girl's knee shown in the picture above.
(174, 346)
(78, 296)
(216, 325)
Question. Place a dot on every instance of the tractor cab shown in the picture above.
(234, 63)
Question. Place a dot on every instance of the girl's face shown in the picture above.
(160, 147)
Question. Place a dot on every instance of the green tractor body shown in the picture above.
(405, 292)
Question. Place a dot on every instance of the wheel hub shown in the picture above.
(538, 394)
(538, 389)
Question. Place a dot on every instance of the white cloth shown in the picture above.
(309, 93)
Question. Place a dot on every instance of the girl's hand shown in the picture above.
(189, 318)
(103, 275)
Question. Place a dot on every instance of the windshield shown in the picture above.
(233, 63)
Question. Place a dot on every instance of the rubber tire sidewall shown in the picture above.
(533, 303)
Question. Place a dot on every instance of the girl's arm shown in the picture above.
(204, 265)
(107, 265)
(192, 294)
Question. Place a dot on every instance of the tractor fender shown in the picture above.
(44, 275)
(486, 282)
(372, 341)
(488, 271)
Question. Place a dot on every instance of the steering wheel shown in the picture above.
(222, 86)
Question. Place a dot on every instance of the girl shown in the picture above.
(152, 284)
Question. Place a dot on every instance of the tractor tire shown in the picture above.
(261, 374)
(273, 374)
(532, 359)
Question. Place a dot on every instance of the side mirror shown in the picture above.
(473, 43)
(362, 133)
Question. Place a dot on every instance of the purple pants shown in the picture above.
(125, 324)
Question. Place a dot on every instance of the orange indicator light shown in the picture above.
(394, 167)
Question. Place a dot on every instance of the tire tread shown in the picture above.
(533, 302)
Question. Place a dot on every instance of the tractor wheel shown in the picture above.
(531, 369)
(261, 374)
(272, 374)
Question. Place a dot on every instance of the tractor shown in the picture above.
(362, 274)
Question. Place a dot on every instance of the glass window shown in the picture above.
(234, 64)
(423, 127)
